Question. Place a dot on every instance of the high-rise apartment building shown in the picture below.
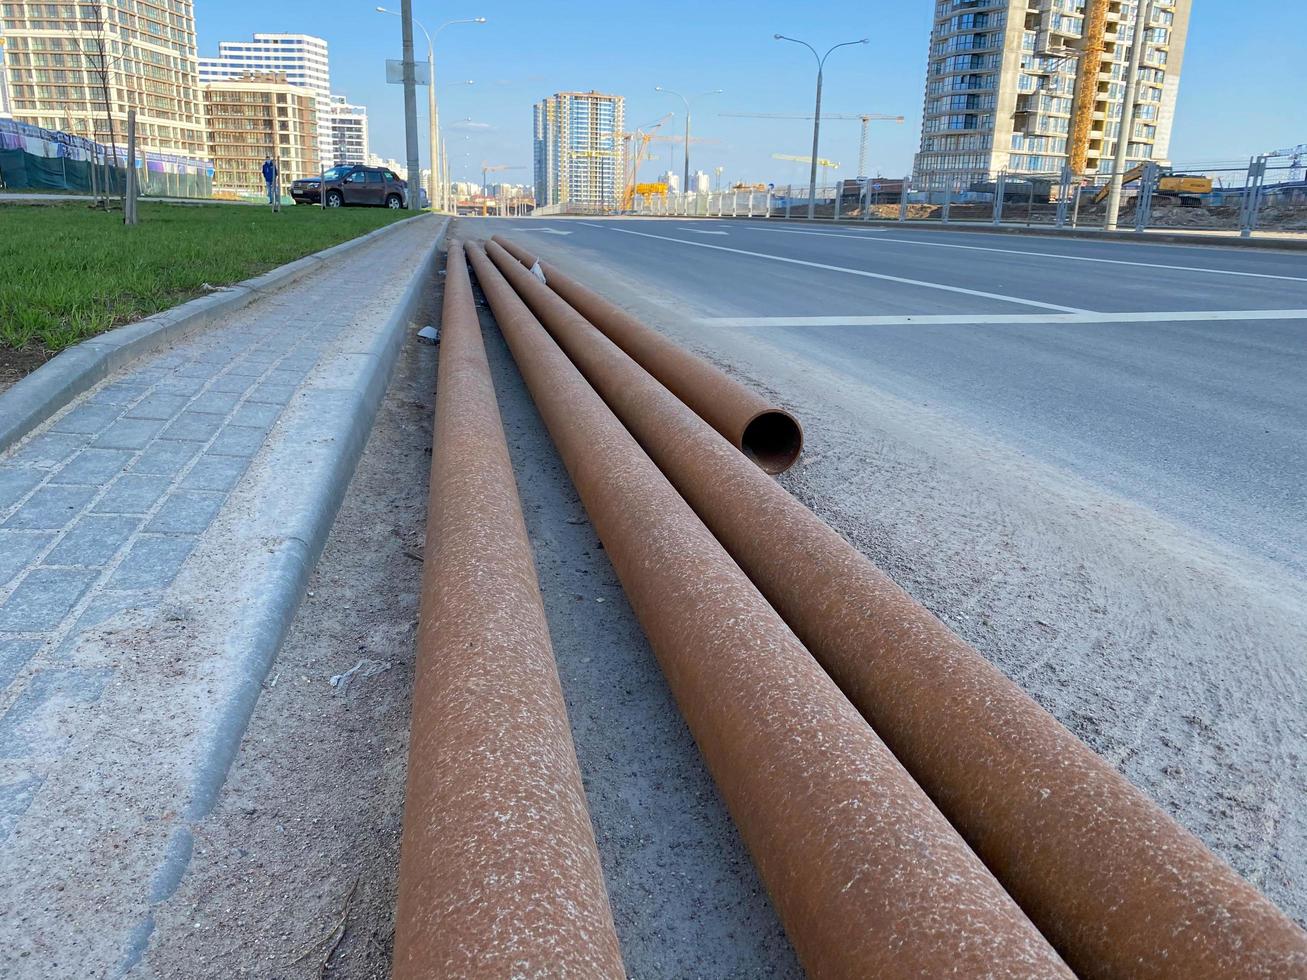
(300, 58)
(64, 61)
(1005, 89)
(578, 148)
(254, 117)
(349, 133)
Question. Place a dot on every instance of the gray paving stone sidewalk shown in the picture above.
(101, 506)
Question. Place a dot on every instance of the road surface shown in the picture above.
(1090, 458)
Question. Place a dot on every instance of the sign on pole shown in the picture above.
(395, 72)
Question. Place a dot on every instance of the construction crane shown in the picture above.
(1295, 155)
(1086, 92)
(487, 168)
(829, 164)
(638, 142)
(866, 118)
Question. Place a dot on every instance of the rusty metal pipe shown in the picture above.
(1120, 889)
(499, 874)
(867, 876)
(764, 432)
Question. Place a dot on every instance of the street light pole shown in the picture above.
(685, 179)
(435, 188)
(816, 115)
(1142, 18)
(411, 162)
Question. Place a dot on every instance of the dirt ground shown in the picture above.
(18, 364)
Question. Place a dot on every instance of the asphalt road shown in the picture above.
(1089, 458)
(1201, 416)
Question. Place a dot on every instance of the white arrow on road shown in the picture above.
(701, 231)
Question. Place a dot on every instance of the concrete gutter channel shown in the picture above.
(970, 769)
(57, 382)
(324, 432)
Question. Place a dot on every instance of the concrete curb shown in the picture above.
(1147, 238)
(323, 433)
(57, 382)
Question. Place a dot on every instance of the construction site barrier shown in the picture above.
(499, 873)
(37, 159)
(767, 434)
(1118, 887)
(868, 878)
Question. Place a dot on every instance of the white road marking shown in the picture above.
(546, 231)
(982, 319)
(1043, 255)
(852, 272)
(703, 231)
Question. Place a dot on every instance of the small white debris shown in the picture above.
(429, 335)
(364, 668)
(538, 272)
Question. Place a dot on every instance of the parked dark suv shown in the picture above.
(367, 186)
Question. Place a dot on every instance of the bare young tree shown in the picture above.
(102, 63)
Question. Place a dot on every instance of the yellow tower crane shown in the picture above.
(1091, 59)
(637, 151)
(829, 164)
(866, 118)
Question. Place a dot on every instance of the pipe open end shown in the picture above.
(773, 440)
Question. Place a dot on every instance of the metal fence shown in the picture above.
(1267, 194)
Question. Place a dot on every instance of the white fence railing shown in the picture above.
(736, 203)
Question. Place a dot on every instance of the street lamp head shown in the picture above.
(865, 40)
(382, 10)
(478, 20)
(658, 88)
(778, 37)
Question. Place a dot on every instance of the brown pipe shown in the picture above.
(499, 874)
(867, 876)
(1118, 886)
(767, 434)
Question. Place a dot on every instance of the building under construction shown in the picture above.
(1033, 86)
(579, 153)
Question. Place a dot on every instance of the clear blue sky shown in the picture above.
(1241, 89)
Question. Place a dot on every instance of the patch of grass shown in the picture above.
(68, 272)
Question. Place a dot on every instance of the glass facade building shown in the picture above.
(579, 150)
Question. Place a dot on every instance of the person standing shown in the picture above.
(270, 178)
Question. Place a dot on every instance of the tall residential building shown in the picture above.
(1004, 80)
(349, 133)
(301, 58)
(578, 148)
(63, 61)
(254, 117)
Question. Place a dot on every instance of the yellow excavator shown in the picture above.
(1182, 189)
